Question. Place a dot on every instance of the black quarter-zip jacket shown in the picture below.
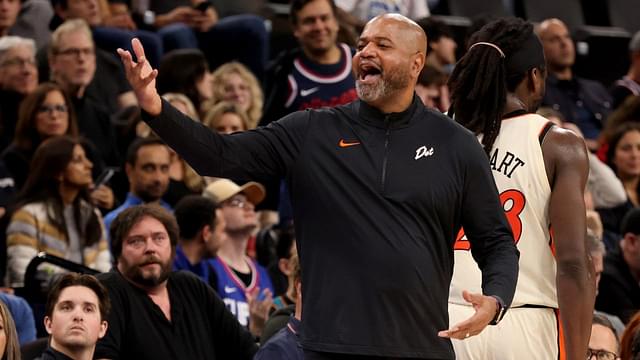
(378, 200)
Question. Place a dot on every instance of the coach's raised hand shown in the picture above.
(142, 78)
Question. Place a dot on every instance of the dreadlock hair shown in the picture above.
(479, 83)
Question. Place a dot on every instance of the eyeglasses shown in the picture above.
(60, 108)
(75, 52)
(601, 354)
(19, 62)
(239, 203)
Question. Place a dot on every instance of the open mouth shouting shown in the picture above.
(369, 73)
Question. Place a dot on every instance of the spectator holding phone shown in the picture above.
(45, 113)
(54, 212)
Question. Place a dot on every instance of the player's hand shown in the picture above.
(485, 306)
(258, 309)
(142, 78)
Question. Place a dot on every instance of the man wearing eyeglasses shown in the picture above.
(72, 62)
(157, 313)
(242, 283)
(603, 344)
(18, 78)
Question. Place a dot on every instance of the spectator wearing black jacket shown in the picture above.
(72, 61)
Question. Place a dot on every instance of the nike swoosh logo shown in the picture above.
(307, 92)
(229, 290)
(344, 144)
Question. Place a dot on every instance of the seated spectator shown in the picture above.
(183, 179)
(22, 315)
(628, 111)
(156, 313)
(202, 228)
(72, 62)
(619, 289)
(226, 118)
(285, 344)
(234, 82)
(240, 281)
(583, 102)
(9, 10)
(75, 317)
(186, 72)
(54, 212)
(441, 46)
(603, 343)
(432, 89)
(9, 348)
(318, 72)
(147, 168)
(45, 113)
(109, 32)
(18, 78)
(623, 158)
(195, 24)
(629, 85)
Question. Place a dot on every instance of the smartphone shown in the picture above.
(104, 178)
(203, 6)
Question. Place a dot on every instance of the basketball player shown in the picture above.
(540, 171)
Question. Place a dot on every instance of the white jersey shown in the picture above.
(519, 171)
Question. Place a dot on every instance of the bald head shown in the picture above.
(390, 56)
(409, 34)
(558, 46)
(546, 25)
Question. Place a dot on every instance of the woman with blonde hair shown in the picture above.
(234, 82)
(9, 345)
(226, 117)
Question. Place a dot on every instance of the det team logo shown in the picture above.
(422, 151)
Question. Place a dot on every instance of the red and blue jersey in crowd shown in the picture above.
(232, 290)
(313, 85)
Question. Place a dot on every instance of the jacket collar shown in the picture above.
(377, 118)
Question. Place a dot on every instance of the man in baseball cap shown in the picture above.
(224, 189)
(240, 281)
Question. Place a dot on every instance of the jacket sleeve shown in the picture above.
(486, 227)
(257, 154)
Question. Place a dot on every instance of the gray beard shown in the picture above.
(397, 80)
(370, 93)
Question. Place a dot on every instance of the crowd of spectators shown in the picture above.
(75, 156)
